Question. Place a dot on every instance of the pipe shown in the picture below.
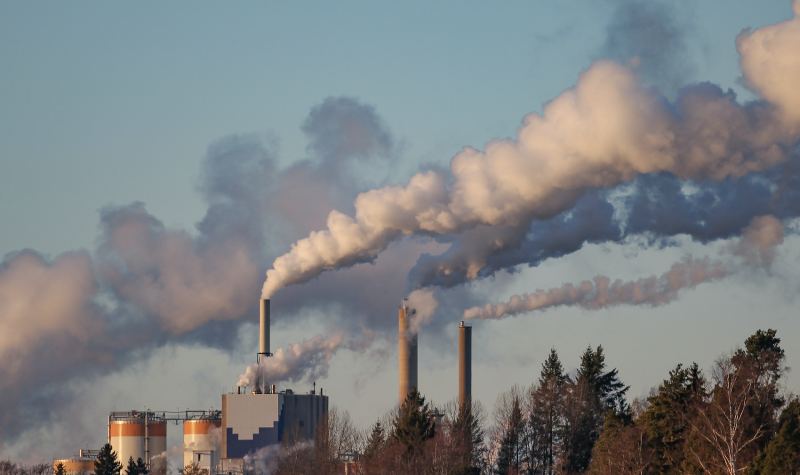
(263, 341)
(147, 438)
(464, 365)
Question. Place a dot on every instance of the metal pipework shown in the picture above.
(464, 365)
(408, 354)
(263, 341)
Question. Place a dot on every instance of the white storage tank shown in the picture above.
(129, 437)
(202, 438)
(75, 465)
(157, 432)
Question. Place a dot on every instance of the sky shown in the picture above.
(156, 160)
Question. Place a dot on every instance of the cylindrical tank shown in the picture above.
(75, 465)
(464, 365)
(408, 354)
(129, 438)
(202, 438)
(126, 436)
(157, 433)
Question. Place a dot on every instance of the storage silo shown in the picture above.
(138, 435)
(203, 440)
(75, 465)
(156, 444)
(126, 436)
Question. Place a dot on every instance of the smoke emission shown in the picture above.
(82, 315)
(605, 132)
(307, 359)
(756, 246)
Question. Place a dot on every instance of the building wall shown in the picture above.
(253, 421)
(250, 422)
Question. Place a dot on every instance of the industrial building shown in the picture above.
(263, 417)
(218, 441)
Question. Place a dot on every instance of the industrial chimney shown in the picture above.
(464, 365)
(263, 341)
(408, 353)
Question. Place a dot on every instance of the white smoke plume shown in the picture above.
(756, 247)
(759, 240)
(605, 131)
(86, 314)
(50, 331)
(307, 359)
(424, 305)
(601, 292)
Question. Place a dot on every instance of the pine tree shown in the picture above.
(131, 469)
(467, 432)
(106, 463)
(509, 457)
(590, 396)
(782, 455)
(141, 467)
(665, 418)
(546, 421)
(375, 442)
(414, 424)
(59, 469)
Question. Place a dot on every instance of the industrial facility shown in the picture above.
(218, 441)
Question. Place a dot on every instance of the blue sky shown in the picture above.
(116, 103)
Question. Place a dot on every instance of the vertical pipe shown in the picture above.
(464, 365)
(147, 438)
(263, 341)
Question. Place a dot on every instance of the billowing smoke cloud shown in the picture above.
(756, 246)
(307, 359)
(50, 331)
(606, 131)
(83, 315)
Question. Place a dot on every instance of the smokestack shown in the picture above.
(408, 354)
(464, 365)
(263, 341)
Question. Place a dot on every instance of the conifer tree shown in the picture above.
(509, 456)
(665, 418)
(375, 442)
(131, 469)
(782, 455)
(59, 469)
(546, 420)
(467, 431)
(141, 467)
(106, 462)
(414, 424)
(593, 393)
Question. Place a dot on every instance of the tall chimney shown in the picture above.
(263, 341)
(408, 354)
(464, 365)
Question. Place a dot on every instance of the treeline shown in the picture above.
(9, 468)
(733, 420)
